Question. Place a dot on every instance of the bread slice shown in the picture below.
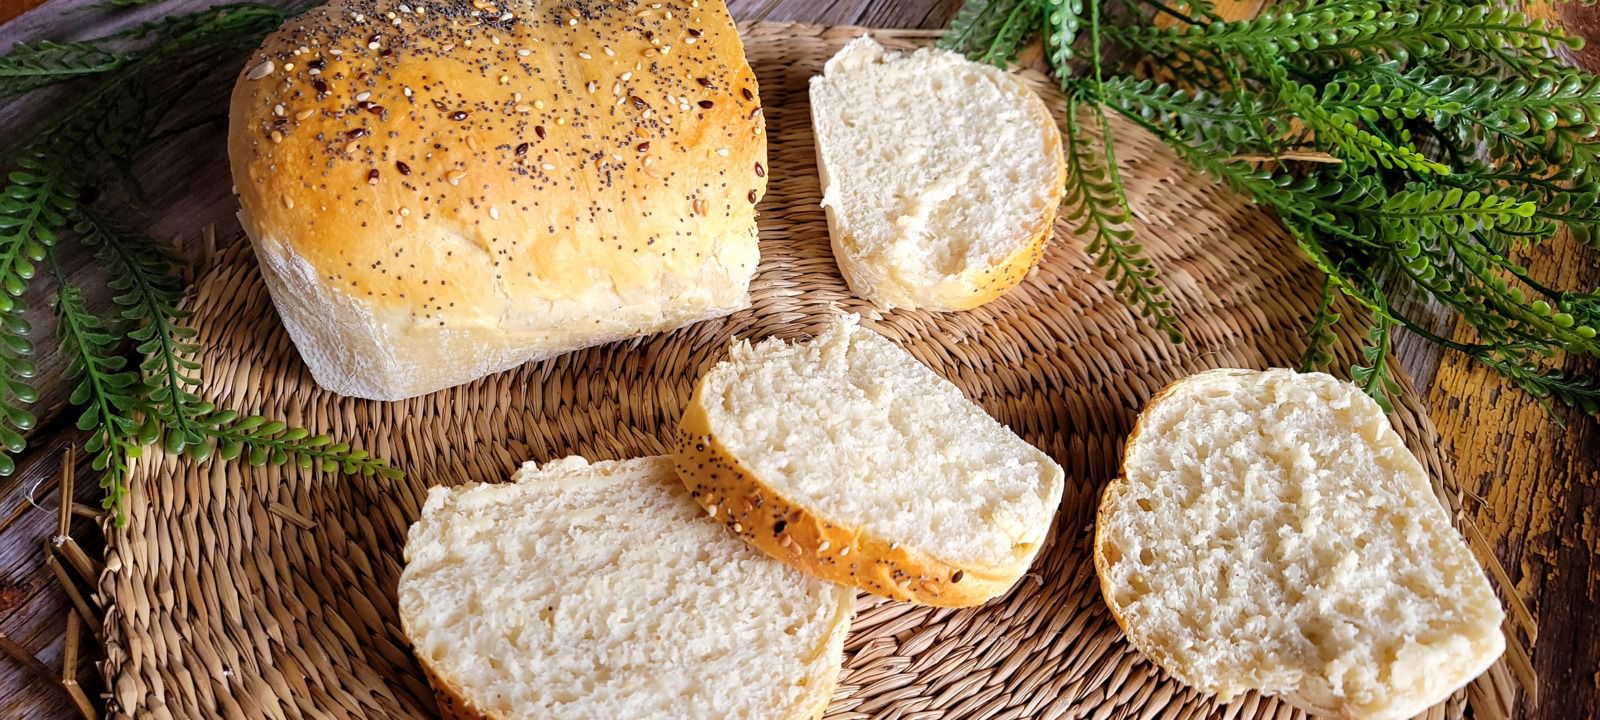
(599, 591)
(845, 457)
(1272, 533)
(940, 176)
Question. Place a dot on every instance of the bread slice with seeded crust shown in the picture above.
(847, 458)
(592, 591)
(940, 176)
(1271, 532)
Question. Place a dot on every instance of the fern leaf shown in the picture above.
(1094, 200)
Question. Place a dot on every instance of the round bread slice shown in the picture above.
(599, 591)
(940, 176)
(1272, 533)
(845, 457)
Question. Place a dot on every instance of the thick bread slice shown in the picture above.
(847, 458)
(940, 176)
(1271, 532)
(598, 591)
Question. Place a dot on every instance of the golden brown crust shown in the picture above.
(735, 496)
(452, 706)
(542, 176)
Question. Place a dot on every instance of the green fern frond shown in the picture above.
(262, 441)
(30, 66)
(1373, 375)
(105, 390)
(1062, 19)
(1320, 337)
(1094, 201)
(1354, 29)
(144, 275)
(33, 209)
(976, 26)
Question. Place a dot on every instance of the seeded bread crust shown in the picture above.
(441, 193)
(452, 705)
(735, 496)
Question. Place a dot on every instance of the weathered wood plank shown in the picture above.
(1534, 480)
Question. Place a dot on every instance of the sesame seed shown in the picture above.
(407, 91)
(689, 41)
(303, 114)
(405, 212)
(278, 109)
(363, 97)
(277, 137)
(563, 121)
(524, 52)
(738, 528)
(494, 212)
(608, 51)
(472, 143)
(505, 79)
(591, 86)
(288, 67)
(454, 176)
(524, 109)
(665, 49)
(627, 76)
(712, 509)
(548, 166)
(288, 202)
(722, 151)
(699, 206)
(351, 146)
(823, 547)
(260, 71)
(538, 104)
(844, 551)
(585, 56)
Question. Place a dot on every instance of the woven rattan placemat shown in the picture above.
(270, 592)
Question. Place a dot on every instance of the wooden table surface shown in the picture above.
(1532, 476)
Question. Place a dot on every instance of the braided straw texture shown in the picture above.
(268, 592)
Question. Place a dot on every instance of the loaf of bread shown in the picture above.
(599, 591)
(940, 176)
(847, 458)
(441, 191)
(1271, 533)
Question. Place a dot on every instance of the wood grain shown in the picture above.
(1536, 483)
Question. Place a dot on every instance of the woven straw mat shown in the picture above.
(270, 592)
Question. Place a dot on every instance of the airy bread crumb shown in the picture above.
(1272, 533)
(600, 591)
(940, 176)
